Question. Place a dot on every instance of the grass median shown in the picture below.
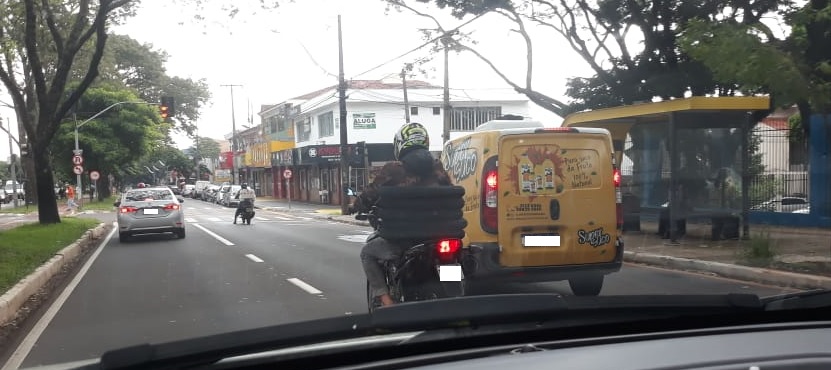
(24, 248)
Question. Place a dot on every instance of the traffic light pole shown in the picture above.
(79, 190)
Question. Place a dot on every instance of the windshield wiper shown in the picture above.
(437, 314)
(820, 298)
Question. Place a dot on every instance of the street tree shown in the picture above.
(41, 44)
(204, 147)
(112, 139)
(158, 164)
(794, 69)
(601, 33)
(140, 66)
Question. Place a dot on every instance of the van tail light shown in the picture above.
(490, 195)
(618, 199)
(447, 248)
(127, 209)
(171, 207)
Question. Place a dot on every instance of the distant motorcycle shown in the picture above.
(247, 212)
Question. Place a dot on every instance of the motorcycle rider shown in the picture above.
(413, 166)
(244, 194)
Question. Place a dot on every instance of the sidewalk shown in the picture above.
(794, 257)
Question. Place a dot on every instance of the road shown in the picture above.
(286, 267)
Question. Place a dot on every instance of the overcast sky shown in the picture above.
(264, 52)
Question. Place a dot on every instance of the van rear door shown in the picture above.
(556, 198)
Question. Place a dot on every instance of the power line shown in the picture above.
(420, 46)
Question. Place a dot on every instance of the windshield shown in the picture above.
(576, 148)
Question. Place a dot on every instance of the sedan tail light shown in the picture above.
(171, 207)
(127, 209)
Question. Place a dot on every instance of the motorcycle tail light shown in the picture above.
(448, 247)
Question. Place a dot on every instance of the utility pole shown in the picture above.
(198, 154)
(408, 67)
(446, 106)
(233, 136)
(344, 153)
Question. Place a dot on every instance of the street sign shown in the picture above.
(287, 174)
(78, 169)
(94, 175)
(77, 160)
(78, 151)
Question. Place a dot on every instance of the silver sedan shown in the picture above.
(150, 211)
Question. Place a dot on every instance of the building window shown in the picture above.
(304, 129)
(273, 123)
(414, 111)
(436, 111)
(468, 118)
(326, 124)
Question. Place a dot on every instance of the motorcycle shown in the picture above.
(247, 212)
(430, 268)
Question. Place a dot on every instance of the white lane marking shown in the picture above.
(283, 218)
(16, 359)
(191, 219)
(303, 285)
(253, 258)
(353, 238)
(214, 219)
(213, 234)
(261, 218)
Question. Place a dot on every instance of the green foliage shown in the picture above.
(116, 137)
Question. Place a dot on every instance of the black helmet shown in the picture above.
(244, 185)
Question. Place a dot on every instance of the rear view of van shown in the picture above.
(543, 204)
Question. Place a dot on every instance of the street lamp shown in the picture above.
(78, 150)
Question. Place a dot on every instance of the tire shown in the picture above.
(371, 302)
(181, 233)
(123, 236)
(586, 286)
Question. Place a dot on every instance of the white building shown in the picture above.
(375, 111)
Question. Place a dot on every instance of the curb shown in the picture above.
(746, 273)
(13, 300)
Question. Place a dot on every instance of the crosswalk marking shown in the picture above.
(190, 219)
(215, 219)
(261, 218)
(282, 218)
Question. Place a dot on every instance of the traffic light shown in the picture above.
(167, 107)
(24, 149)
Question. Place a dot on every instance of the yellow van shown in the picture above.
(542, 204)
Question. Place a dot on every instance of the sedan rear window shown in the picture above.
(143, 195)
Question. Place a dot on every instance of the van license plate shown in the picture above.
(450, 272)
(540, 240)
(151, 211)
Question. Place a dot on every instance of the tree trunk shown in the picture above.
(104, 187)
(47, 205)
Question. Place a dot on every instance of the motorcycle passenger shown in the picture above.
(413, 166)
(245, 195)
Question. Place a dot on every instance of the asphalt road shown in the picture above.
(223, 277)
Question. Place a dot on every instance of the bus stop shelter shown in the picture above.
(684, 159)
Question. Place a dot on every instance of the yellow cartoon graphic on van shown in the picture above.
(537, 170)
